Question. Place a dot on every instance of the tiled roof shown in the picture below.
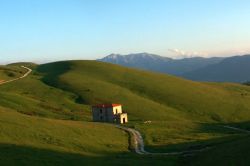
(106, 105)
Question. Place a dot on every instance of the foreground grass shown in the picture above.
(162, 136)
(80, 137)
(231, 153)
(26, 140)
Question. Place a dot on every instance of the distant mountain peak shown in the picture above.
(113, 56)
(134, 56)
(159, 63)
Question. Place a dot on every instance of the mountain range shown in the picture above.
(216, 69)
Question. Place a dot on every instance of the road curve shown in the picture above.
(237, 129)
(23, 76)
(139, 143)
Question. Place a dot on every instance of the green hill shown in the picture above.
(229, 153)
(149, 96)
(26, 140)
(184, 114)
(10, 72)
(173, 105)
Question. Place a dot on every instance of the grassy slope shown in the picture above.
(10, 72)
(231, 153)
(27, 140)
(33, 97)
(86, 138)
(151, 96)
(175, 106)
(183, 113)
(44, 142)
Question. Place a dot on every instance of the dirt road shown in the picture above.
(23, 76)
(139, 143)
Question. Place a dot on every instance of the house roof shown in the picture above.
(106, 105)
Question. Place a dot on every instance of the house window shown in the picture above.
(100, 111)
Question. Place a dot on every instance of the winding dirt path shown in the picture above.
(237, 129)
(23, 76)
(139, 143)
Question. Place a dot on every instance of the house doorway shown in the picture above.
(123, 120)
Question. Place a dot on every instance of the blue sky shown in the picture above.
(48, 30)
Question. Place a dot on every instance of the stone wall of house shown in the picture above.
(123, 118)
(117, 110)
(112, 114)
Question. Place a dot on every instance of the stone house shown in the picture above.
(111, 113)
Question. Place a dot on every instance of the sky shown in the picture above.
(50, 30)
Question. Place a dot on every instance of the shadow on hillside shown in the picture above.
(52, 71)
(224, 135)
(243, 125)
(191, 145)
(11, 155)
(234, 152)
(231, 149)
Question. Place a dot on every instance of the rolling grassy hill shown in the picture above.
(27, 140)
(234, 152)
(32, 97)
(164, 100)
(184, 114)
(10, 72)
(149, 96)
